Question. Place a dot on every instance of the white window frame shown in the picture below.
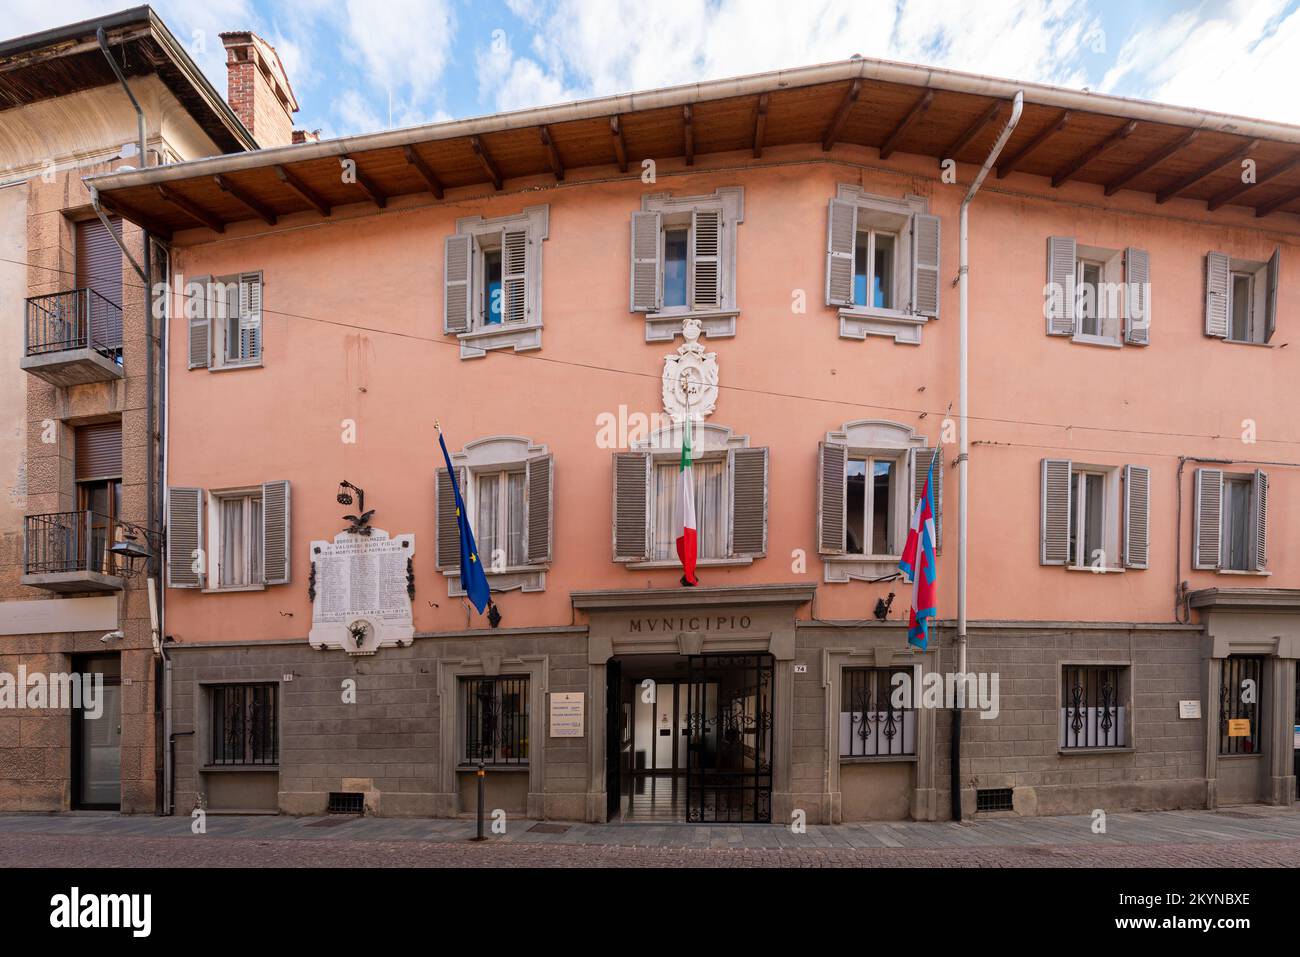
(218, 326)
(1110, 520)
(486, 233)
(661, 459)
(472, 503)
(216, 546)
(1225, 523)
(1110, 312)
(895, 286)
(1257, 272)
(899, 485)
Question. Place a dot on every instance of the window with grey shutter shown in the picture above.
(275, 533)
(514, 275)
(925, 265)
(647, 289)
(1054, 516)
(1217, 277)
(832, 502)
(198, 310)
(1207, 531)
(1137, 508)
(1137, 307)
(748, 502)
(920, 465)
(1270, 303)
(184, 537)
(448, 529)
(540, 508)
(1259, 520)
(631, 505)
(841, 233)
(706, 258)
(1062, 256)
(457, 289)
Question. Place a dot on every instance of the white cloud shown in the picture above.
(401, 44)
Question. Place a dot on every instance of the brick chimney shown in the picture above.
(258, 89)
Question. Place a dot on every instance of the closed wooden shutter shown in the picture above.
(540, 506)
(1054, 519)
(748, 501)
(832, 465)
(920, 465)
(458, 256)
(925, 265)
(1137, 511)
(841, 234)
(99, 269)
(514, 275)
(1259, 509)
(706, 258)
(1137, 307)
(647, 287)
(184, 537)
(99, 451)
(631, 506)
(1061, 264)
(1207, 532)
(198, 309)
(1270, 303)
(448, 528)
(1217, 278)
(275, 533)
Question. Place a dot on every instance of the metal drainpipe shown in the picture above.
(963, 457)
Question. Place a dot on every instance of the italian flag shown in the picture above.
(686, 541)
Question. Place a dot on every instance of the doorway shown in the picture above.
(97, 735)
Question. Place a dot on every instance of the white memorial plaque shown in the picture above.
(1189, 709)
(362, 602)
(567, 714)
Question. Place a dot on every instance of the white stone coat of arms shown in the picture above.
(690, 377)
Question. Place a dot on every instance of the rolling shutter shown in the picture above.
(99, 269)
(631, 506)
(925, 265)
(1259, 520)
(275, 533)
(514, 275)
(647, 290)
(1207, 534)
(920, 465)
(1061, 259)
(706, 259)
(1137, 509)
(184, 537)
(832, 466)
(457, 260)
(448, 528)
(1270, 303)
(540, 506)
(748, 501)
(1054, 518)
(1216, 295)
(99, 451)
(198, 308)
(1137, 307)
(841, 234)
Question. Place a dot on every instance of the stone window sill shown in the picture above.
(714, 323)
(1104, 341)
(858, 322)
(1243, 571)
(521, 337)
(232, 366)
(1105, 570)
(734, 562)
(223, 590)
(1080, 751)
(227, 768)
(845, 568)
(472, 766)
(879, 759)
(527, 578)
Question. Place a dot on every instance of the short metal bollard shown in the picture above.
(482, 800)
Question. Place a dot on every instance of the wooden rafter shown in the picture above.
(915, 113)
(1275, 204)
(426, 172)
(259, 209)
(203, 217)
(688, 119)
(1191, 179)
(1232, 192)
(760, 125)
(130, 213)
(620, 146)
(972, 131)
(1109, 143)
(1008, 165)
(1150, 162)
(485, 160)
(364, 182)
(313, 198)
(552, 154)
(841, 115)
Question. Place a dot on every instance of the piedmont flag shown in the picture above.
(686, 541)
(473, 580)
(918, 563)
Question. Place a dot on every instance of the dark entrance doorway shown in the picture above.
(729, 733)
(97, 737)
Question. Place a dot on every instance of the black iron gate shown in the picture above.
(730, 722)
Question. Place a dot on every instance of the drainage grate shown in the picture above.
(549, 828)
(993, 799)
(347, 802)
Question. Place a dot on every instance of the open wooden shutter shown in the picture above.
(458, 256)
(1259, 520)
(706, 259)
(1217, 277)
(1207, 520)
(919, 465)
(275, 532)
(925, 265)
(514, 275)
(184, 537)
(647, 288)
(748, 469)
(540, 508)
(841, 234)
(1270, 303)
(1062, 256)
(1137, 509)
(832, 501)
(1137, 307)
(447, 527)
(99, 451)
(1054, 519)
(250, 317)
(631, 506)
(198, 304)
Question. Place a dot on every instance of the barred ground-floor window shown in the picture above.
(1093, 714)
(494, 714)
(245, 724)
(1241, 693)
(873, 723)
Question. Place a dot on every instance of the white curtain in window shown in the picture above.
(241, 541)
(710, 509)
(486, 529)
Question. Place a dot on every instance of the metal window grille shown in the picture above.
(1241, 691)
(993, 799)
(496, 720)
(346, 802)
(1092, 715)
(871, 725)
(245, 724)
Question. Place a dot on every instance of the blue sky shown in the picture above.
(362, 65)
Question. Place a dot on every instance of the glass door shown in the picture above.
(97, 733)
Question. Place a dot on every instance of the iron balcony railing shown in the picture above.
(69, 542)
(75, 319)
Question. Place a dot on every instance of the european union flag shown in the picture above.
(473, 580)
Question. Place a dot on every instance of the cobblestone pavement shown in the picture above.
(1245, 837)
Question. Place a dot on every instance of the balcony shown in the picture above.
(68, 552)
(73, 337)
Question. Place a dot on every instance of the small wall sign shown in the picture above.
(1239, 727)
(1189, 709)
(567, 714)
(801, 669)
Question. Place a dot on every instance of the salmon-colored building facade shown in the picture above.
(776, 259)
